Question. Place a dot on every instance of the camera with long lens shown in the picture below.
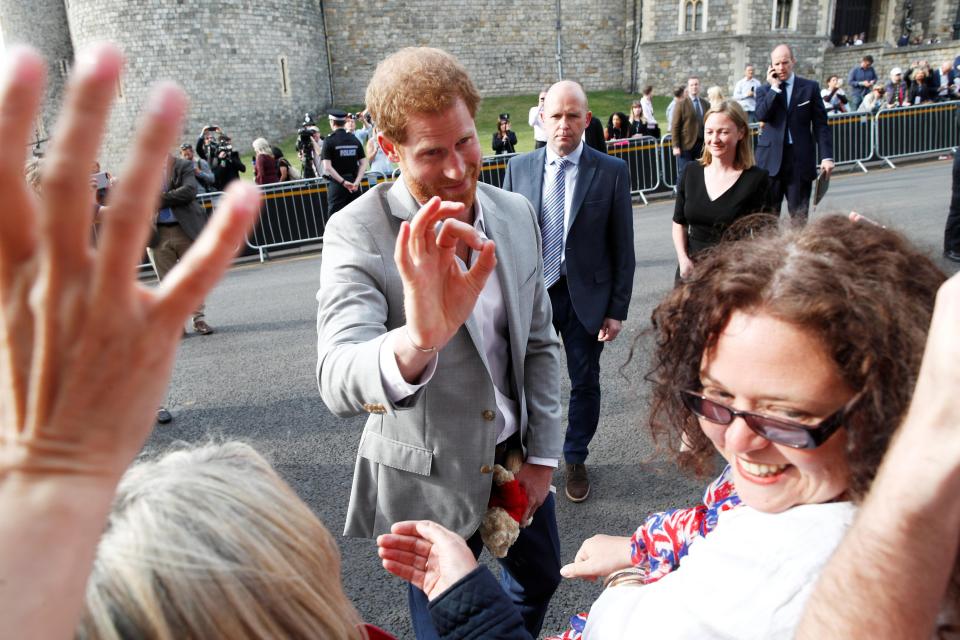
(305, 146)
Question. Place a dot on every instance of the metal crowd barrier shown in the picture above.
(291, 213)
(853, 138)
(915, 130)
(493, 169)
(296, 212)
(642, 158)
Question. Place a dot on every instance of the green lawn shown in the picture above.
(602, 103)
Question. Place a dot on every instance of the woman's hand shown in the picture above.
(85, 350)
(425, 554)
(686, 266)
(598, 557)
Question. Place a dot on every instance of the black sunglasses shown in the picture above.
(785, 432)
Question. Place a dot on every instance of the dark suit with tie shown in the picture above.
(787, 145)
(598, 265)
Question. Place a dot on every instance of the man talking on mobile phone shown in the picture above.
(795, 120)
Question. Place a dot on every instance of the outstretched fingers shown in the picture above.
(21, 90)
(65, 182)
(188, 283)
(133, 201)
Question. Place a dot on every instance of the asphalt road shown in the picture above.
(254, 380)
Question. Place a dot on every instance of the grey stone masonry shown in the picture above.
(42, 24)
(508, 48)
(256, 66)
(226, 55)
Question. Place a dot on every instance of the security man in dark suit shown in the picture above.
(344, 163)
(583, 202)
(794, 120)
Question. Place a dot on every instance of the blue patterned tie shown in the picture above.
(551, 225)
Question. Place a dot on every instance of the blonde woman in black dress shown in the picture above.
(723, 186)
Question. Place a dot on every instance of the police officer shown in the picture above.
(344, 164)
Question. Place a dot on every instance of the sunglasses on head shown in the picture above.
(786, 432)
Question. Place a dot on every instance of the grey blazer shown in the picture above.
(430, 456)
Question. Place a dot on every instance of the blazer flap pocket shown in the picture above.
(396, 454)
(803, 104)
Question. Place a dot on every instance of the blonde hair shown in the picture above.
(714, 95)
(417, 80)
(209, 542)
(743, 159)
(262, 147)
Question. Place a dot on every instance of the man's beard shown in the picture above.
(422, 191)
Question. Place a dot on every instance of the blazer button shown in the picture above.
(489, 415)
(486, 469)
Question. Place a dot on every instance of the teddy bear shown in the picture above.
(508, 502)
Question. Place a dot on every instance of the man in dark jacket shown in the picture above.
(178, 223)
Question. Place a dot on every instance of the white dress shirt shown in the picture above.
(569, 183)
(490, 315)
(533, 119)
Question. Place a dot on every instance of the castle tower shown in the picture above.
(254, 68)
(42, 24)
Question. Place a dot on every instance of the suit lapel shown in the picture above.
(535, 168)
(585, 172)
(795, 94)
(497, 229)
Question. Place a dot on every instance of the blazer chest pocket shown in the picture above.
(803, 104)
(395, 454)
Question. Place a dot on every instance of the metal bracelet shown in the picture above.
(629, 576)
(413, 344)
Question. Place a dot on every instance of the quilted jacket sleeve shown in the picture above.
(476, 607)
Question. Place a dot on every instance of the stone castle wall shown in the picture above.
(41, 24)
(225, 55)
(508, 48)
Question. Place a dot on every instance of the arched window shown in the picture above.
(693, 15)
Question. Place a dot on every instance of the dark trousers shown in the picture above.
(529, 574)
(338, 196)
(788, 184)
(951, 233)
(583, 366)
(687, 156)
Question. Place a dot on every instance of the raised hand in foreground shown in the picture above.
(85, 351)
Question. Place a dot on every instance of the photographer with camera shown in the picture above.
(504, 140)
(308, 147)
(344, 163)
(227, 165)
(366, 127)
(206, 147)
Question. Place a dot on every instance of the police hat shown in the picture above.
(505, 117)
(337, 115)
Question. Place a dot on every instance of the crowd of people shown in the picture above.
(818, 361)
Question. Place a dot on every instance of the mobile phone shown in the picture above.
(102, 180)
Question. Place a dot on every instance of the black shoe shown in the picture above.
(578, 484)
(163, 416)
(951, 255)
(200, 326)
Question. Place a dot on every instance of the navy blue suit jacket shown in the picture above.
(806, 118)
(599, 250)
